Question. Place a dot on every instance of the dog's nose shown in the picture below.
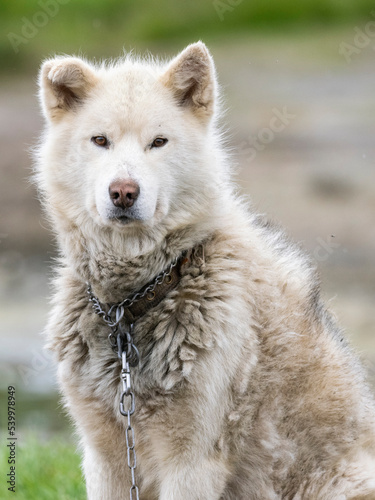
(123, 193)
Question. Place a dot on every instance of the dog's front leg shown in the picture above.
(192, 450)
(106, 477)
(196, 479)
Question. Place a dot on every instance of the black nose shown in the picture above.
(123, 193)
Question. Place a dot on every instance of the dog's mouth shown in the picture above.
(123, 219)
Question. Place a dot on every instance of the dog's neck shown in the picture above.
(118, 264)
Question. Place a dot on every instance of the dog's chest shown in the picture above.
(169, 340)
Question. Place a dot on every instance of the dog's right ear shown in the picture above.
(64, 83)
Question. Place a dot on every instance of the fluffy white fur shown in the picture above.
(246, 388)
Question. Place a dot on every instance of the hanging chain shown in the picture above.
(129, 356)
(121, 339)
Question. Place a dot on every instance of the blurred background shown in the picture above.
(298, 80)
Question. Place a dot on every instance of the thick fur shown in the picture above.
(246, 388)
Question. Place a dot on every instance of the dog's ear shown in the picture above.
(191, 77)
(64, 83)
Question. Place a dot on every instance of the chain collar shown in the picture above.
(115, 313)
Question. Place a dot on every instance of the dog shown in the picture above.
(194, 353)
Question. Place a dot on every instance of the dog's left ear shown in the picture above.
(191, 77)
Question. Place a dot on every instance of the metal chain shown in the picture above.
(108, 316)
(126, 349)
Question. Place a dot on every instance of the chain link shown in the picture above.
(125, 346)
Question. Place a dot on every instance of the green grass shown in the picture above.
(44, 470)
(47, 461)
(103, 27)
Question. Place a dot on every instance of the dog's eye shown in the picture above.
(159, 142)
(100, 140)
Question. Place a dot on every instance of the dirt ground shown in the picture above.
(301, 127)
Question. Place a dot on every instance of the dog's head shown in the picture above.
(132, 143)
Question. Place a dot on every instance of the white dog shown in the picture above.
(235, 380)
